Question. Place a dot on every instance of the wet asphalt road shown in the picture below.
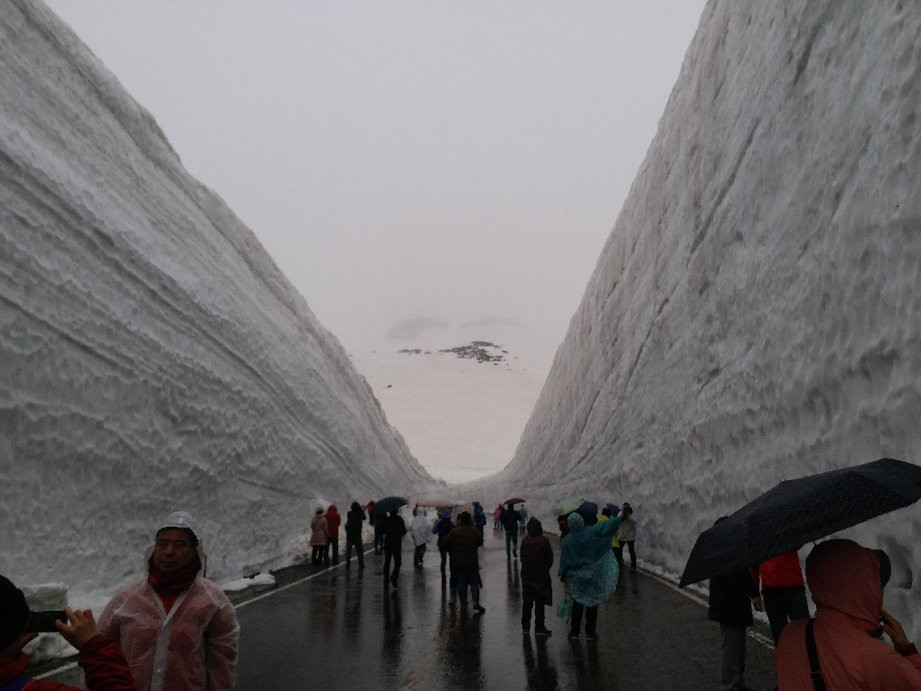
(343, 629)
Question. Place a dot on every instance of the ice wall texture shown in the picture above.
(756, 312)
(152, 356)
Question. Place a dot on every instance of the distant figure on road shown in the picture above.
(846, 582)
(393, 528)
(627, 535)
(419, 532)
(783, 592)
(442, 527)
(730, 604)
(319, 538)
(509, 520)
(479, 517)
(496, 515)
(353, 525)
(522, 519)
(588, 569)
(536, 585)
(176, 628)
(333, 521)
(462, 543)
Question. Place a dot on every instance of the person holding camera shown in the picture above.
(102, 661)
(626, 536)
(177, 629)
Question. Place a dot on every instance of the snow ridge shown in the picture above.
(151, 353)
(756, 312)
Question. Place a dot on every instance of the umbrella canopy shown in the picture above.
(799, 511)
(567, 506)
(388, 505)
(438, 503)
(588, 509)
(513, 501)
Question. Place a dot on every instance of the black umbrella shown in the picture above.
(799, 511)
(388, 505)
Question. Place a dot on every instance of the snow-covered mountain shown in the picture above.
(460, 394)
(756, 312)
(152, 356)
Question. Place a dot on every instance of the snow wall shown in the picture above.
(755, 314)
(152, 356)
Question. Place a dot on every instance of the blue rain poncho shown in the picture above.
(587, 564)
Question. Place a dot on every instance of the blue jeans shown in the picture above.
(463, 577)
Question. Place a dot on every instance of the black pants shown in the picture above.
(782, 605)
(320, 555)
(359, 551)
(397, 559)
(418, 553)
(591, 619)
(334, 544)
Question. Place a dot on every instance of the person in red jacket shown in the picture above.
(102, 661)
(333, 521)
(783, 592)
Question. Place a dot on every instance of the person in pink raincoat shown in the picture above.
(176, 628)
(846, 582)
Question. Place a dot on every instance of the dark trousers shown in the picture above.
(351, 542)
(629, 544)
(782, 605)
(538, 606)
(320, 555)
(444, 560)
(591, 619)
(732, 660)
(511, 542)
(397, 560)
(378, 536)
(334, 544)
(463, 578)
(418, 554)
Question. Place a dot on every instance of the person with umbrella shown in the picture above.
(588, 569)
(509, 518)
(394, 528)
(730, 604)
(839, 647)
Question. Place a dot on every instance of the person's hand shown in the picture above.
(894, 630)
(758, 603)
(80, 629)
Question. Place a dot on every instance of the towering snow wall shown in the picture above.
(152, 356)
(755, 314)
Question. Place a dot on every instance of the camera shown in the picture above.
(43, 622)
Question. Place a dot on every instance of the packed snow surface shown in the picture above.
(755, 314)
(152, 356)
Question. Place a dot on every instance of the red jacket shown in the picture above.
(782, 571)
(102, 662)
(333, 519)
(844, 581)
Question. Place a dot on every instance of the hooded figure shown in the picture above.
(588, 568)
(177, 629)
(846, 582)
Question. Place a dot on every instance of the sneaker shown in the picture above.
(479, 608)
(591, 637)
(543, 632)
(573, 636)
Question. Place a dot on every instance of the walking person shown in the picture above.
(627, 534)
(419, 532)
(536, 586)
(353, 525)
(479, 517)
(730, 605)
(393, 529)
(496, 514)
(522, 519)
(588, 569)
(319, 539)
(442, 527)
(333, 521)
(463, 543)
(783, 591)
(509, 518)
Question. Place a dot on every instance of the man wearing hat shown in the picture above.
(177, 629)
(102, 662)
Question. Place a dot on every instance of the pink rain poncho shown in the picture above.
(844, 579)
(193, 647)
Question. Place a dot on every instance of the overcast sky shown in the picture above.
(408, 159)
